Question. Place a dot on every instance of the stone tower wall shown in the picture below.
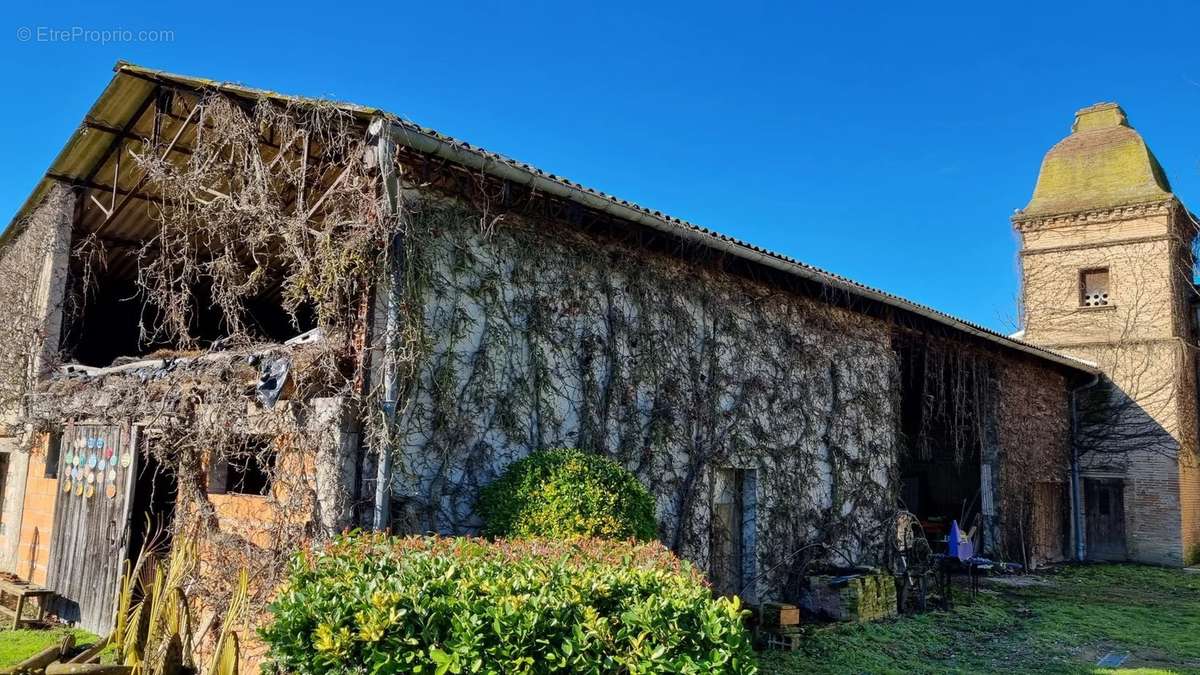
(1103, 203)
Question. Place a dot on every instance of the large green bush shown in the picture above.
(563, 493)
(377, 604)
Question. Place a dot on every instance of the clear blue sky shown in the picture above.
(888, 142)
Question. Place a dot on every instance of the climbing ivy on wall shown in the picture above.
(535, 335)
(517, 332)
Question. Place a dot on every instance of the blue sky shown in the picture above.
(888, 142)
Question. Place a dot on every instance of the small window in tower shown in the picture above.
(1093, 287)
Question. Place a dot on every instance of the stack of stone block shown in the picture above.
(854, 597)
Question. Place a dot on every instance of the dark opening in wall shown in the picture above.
(155, 492)
(106, 320)
(3, 486)
(53, 452)
(944, 402)
(246, 471)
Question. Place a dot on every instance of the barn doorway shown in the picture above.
(945, 400)
(153, 512)
(1104, 511)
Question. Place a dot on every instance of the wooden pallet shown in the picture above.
(783, 638)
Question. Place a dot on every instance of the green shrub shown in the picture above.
(565, 492)
(378, 604)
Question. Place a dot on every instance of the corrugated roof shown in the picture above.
(132, 84)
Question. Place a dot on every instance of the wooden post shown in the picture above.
(20, 609)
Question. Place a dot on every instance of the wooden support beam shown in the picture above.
(102, 187)
(129, 125)
(145, 177)
(100, 126)
(107, 211)
(337, 181)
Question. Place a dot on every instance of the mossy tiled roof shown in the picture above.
(1103, 164)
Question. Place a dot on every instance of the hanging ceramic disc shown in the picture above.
(79, 489)
(67, 485)
(110, 491)
(99, 442)
(112, 475)
(91, 477)
(101, 465)
(89, 492)
(108, 452)
(127, 459)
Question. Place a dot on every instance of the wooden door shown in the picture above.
(726, 533)
(1104, 509)
(91, 522)
(732, 536)
(1049, 523)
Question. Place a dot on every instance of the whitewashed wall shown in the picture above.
(536, 336)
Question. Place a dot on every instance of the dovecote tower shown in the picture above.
(1107, 276)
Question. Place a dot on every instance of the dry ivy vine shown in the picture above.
(517, 333)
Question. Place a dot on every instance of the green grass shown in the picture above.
(1061, 626)
(18, 645)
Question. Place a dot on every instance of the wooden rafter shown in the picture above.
(145, 176)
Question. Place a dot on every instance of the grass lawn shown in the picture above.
(1063, 622)
(18, 645)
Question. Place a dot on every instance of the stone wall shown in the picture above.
(1139, 425)
(1033, 489)
(33, 273)
(537, 336)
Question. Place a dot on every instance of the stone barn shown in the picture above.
(260, 319)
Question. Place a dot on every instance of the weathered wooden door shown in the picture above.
(1049, 523)
(1104, 504)
(732, 535)
(91, 521)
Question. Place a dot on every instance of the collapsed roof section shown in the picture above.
(141, 103)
